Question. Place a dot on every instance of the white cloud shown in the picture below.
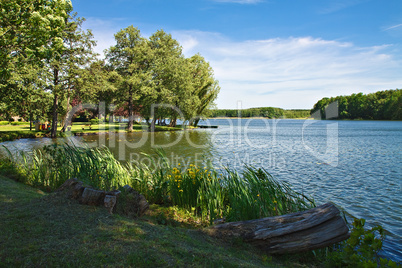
(393, 27)
(291, 72)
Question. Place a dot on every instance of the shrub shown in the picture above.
(16, 123)
(361, 249)
(2, 123)
(94, 121)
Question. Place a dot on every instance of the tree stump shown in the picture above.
(296, 232)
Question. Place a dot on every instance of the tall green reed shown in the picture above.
(54, 164)
(251, 194)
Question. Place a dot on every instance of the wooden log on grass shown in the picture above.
(133, 203)
(296, 232)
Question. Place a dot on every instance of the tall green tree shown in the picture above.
(173, 91)
(26, 28)
(381, 105)
(206, 88)
(129, 58)
(97, 86)
(67, 53)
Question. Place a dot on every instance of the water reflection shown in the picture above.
(179, 146)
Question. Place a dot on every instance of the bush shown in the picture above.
(2, 123)
(94, 121)
(361, 249)
(15, 123)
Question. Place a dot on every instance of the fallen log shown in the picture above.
(132, 204)
(296, 232)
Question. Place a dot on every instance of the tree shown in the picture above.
(169, 77)
(97, 86)
(44, 35)
(206, 88)
(26, 28)
(381, 105)
(129, 59)
(69, 50)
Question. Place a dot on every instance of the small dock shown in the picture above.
(207, 126)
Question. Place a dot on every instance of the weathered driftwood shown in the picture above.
(296, 232)
(89, 196)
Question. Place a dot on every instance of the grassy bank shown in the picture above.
(41, 229)
(12, 132)
(182, 196)
(201, 190)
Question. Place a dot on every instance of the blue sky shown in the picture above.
(279, 53)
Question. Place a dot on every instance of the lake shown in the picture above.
(355, 164)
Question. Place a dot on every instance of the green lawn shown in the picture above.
(39, 229)
(87, 127)
(12, 132)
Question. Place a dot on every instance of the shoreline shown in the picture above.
(21, 131)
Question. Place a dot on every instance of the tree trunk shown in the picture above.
(130, 111)
(196, 122)
(296, 232)
(173, 122)
(152, 126)
(53, 133)
(30, 121)
(67, 114)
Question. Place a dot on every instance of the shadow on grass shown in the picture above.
(50, 230)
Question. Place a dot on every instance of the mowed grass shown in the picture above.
(39, 229)
(87, 127)
(13, 132)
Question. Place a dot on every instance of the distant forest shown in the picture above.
(381, 105)
(268, 112)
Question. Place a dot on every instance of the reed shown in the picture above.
(50, 167)
(251, 194)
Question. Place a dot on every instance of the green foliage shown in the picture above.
(14, 135)
(94, 121)
(268, 112)
(361, 249)
(381, 105)
(199, 190)
(3, 123)
(16, 123)
(202, 190)
(296, 113)
(256, 194)
(50, 167)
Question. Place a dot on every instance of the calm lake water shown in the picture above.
(355, 164)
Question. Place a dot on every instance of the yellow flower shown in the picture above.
(180, 191)
(258, 195)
